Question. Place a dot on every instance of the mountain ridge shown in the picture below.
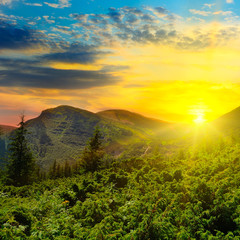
(129, 117)
(62, 132)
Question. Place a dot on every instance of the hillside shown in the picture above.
(132, 119)
(61, 133)
(229, 122)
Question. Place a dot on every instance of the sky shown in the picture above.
(173, 60)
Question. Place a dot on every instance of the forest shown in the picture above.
(192, 194)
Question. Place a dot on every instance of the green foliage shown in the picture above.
(195, 196)
(21, 166)
(93, 152)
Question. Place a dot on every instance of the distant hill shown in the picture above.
(6, 129)
(229, 122)
(132, 119)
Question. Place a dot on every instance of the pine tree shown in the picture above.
(58, 171)
(67, 169)
(53, 170)
(21, 166)
(93, 152)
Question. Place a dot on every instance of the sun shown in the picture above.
(200, 119)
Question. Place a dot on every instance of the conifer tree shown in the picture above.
(93, 152)
(67, 169)
(53, 170)
(58, 171)
(21, 165)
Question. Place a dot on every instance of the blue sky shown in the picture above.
(90, 53)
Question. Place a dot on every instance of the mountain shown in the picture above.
(61, 133)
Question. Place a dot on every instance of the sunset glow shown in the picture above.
(199, 120)
(161, 59)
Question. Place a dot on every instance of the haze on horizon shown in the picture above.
(171, 60)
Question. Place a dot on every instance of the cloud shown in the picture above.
(115, 15)
(209, 13)
(6, 2)
(148, 18)
(200, 12)
(75, 53)
(79, 17)
(129, 26)
(161, 11)
(97, 19)
(65, 30)
(18, 73)
(131, 19)
(60, 4)
(132, 10)
(229, 1)
(50, 21)
(13, 37)
(208, 5)
(223, 13)
(33, 4)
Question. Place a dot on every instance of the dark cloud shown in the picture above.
(131, 19)
(79, 17)
(40, 77)
(75, 53)
(115, 15)
(72, 57)
(13, 37)
(132, 10)
(98, 19)
(161, 11)
(147, 18)
(29, 73)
